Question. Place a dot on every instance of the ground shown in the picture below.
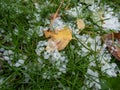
(84, 64)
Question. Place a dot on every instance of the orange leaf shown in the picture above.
(60, 38)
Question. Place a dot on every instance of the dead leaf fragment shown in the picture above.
(51, 46)
(60, 38)
(111, 40)
(80, 24)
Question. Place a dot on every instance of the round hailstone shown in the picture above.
(2, 49)
(19, 63)
(46, 55)
(6, 58)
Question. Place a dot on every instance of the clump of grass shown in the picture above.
(24, 62)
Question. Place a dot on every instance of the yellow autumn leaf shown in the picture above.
(60, 38)
(80, 24)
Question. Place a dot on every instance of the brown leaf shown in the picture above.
(60, 38)
(80, 24)
(111, 41)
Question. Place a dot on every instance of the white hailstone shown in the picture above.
(38, 52)
(26, 79)
(8, 52)
(1, 80)
(79, 37)
(10, 63)
(92, 80)
(6, 58)
(19, 63)
(58, 63)
(92, 73)
(75, 11)
(56, 55)
(73, 73)
(78, 52)
(2, 49)
(58, 24)
(112, 22)
(98, 39)
(37, 17)
(84, 37)
(89, 1)
(64, 66)
(98, 48)
(37, 6)
(59, 73)
(30, 32)
(46, 55)
(93, 46)
(47, 22)
(107, 57)
(79, 44)
(5, 52)
(40, 61)
(108, 69)
(113, 65)
(62, 69)
(40, 47)
(92, 63)
(45, 75)
(63, 59)
(24, 57)
(55, 76)
(2, 30)
(42, 43)
(66, 61)
(84, 50)
(95, 84)
(90, 40)
(16, 31)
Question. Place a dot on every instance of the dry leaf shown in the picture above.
(51, 46)
(80, 24)
(60, 38)
(111, 41)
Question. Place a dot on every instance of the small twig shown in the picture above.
(56, 13)
(112, 38)
(66, 8)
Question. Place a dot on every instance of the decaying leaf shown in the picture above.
(80, 24)
(58, 38)
(113, 41)
(51, 46)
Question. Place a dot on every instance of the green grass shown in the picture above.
(25, 42)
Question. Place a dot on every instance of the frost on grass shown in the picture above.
(112, 20)
(54, 62)
(9, 56)
(58, 24)
(102, 57)
(76, 11)
(92, 80)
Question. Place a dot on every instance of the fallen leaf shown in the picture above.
(80, 24)
(58, 38)
(112, 41)
(51, 46)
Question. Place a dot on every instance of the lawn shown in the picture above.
(82, 61)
